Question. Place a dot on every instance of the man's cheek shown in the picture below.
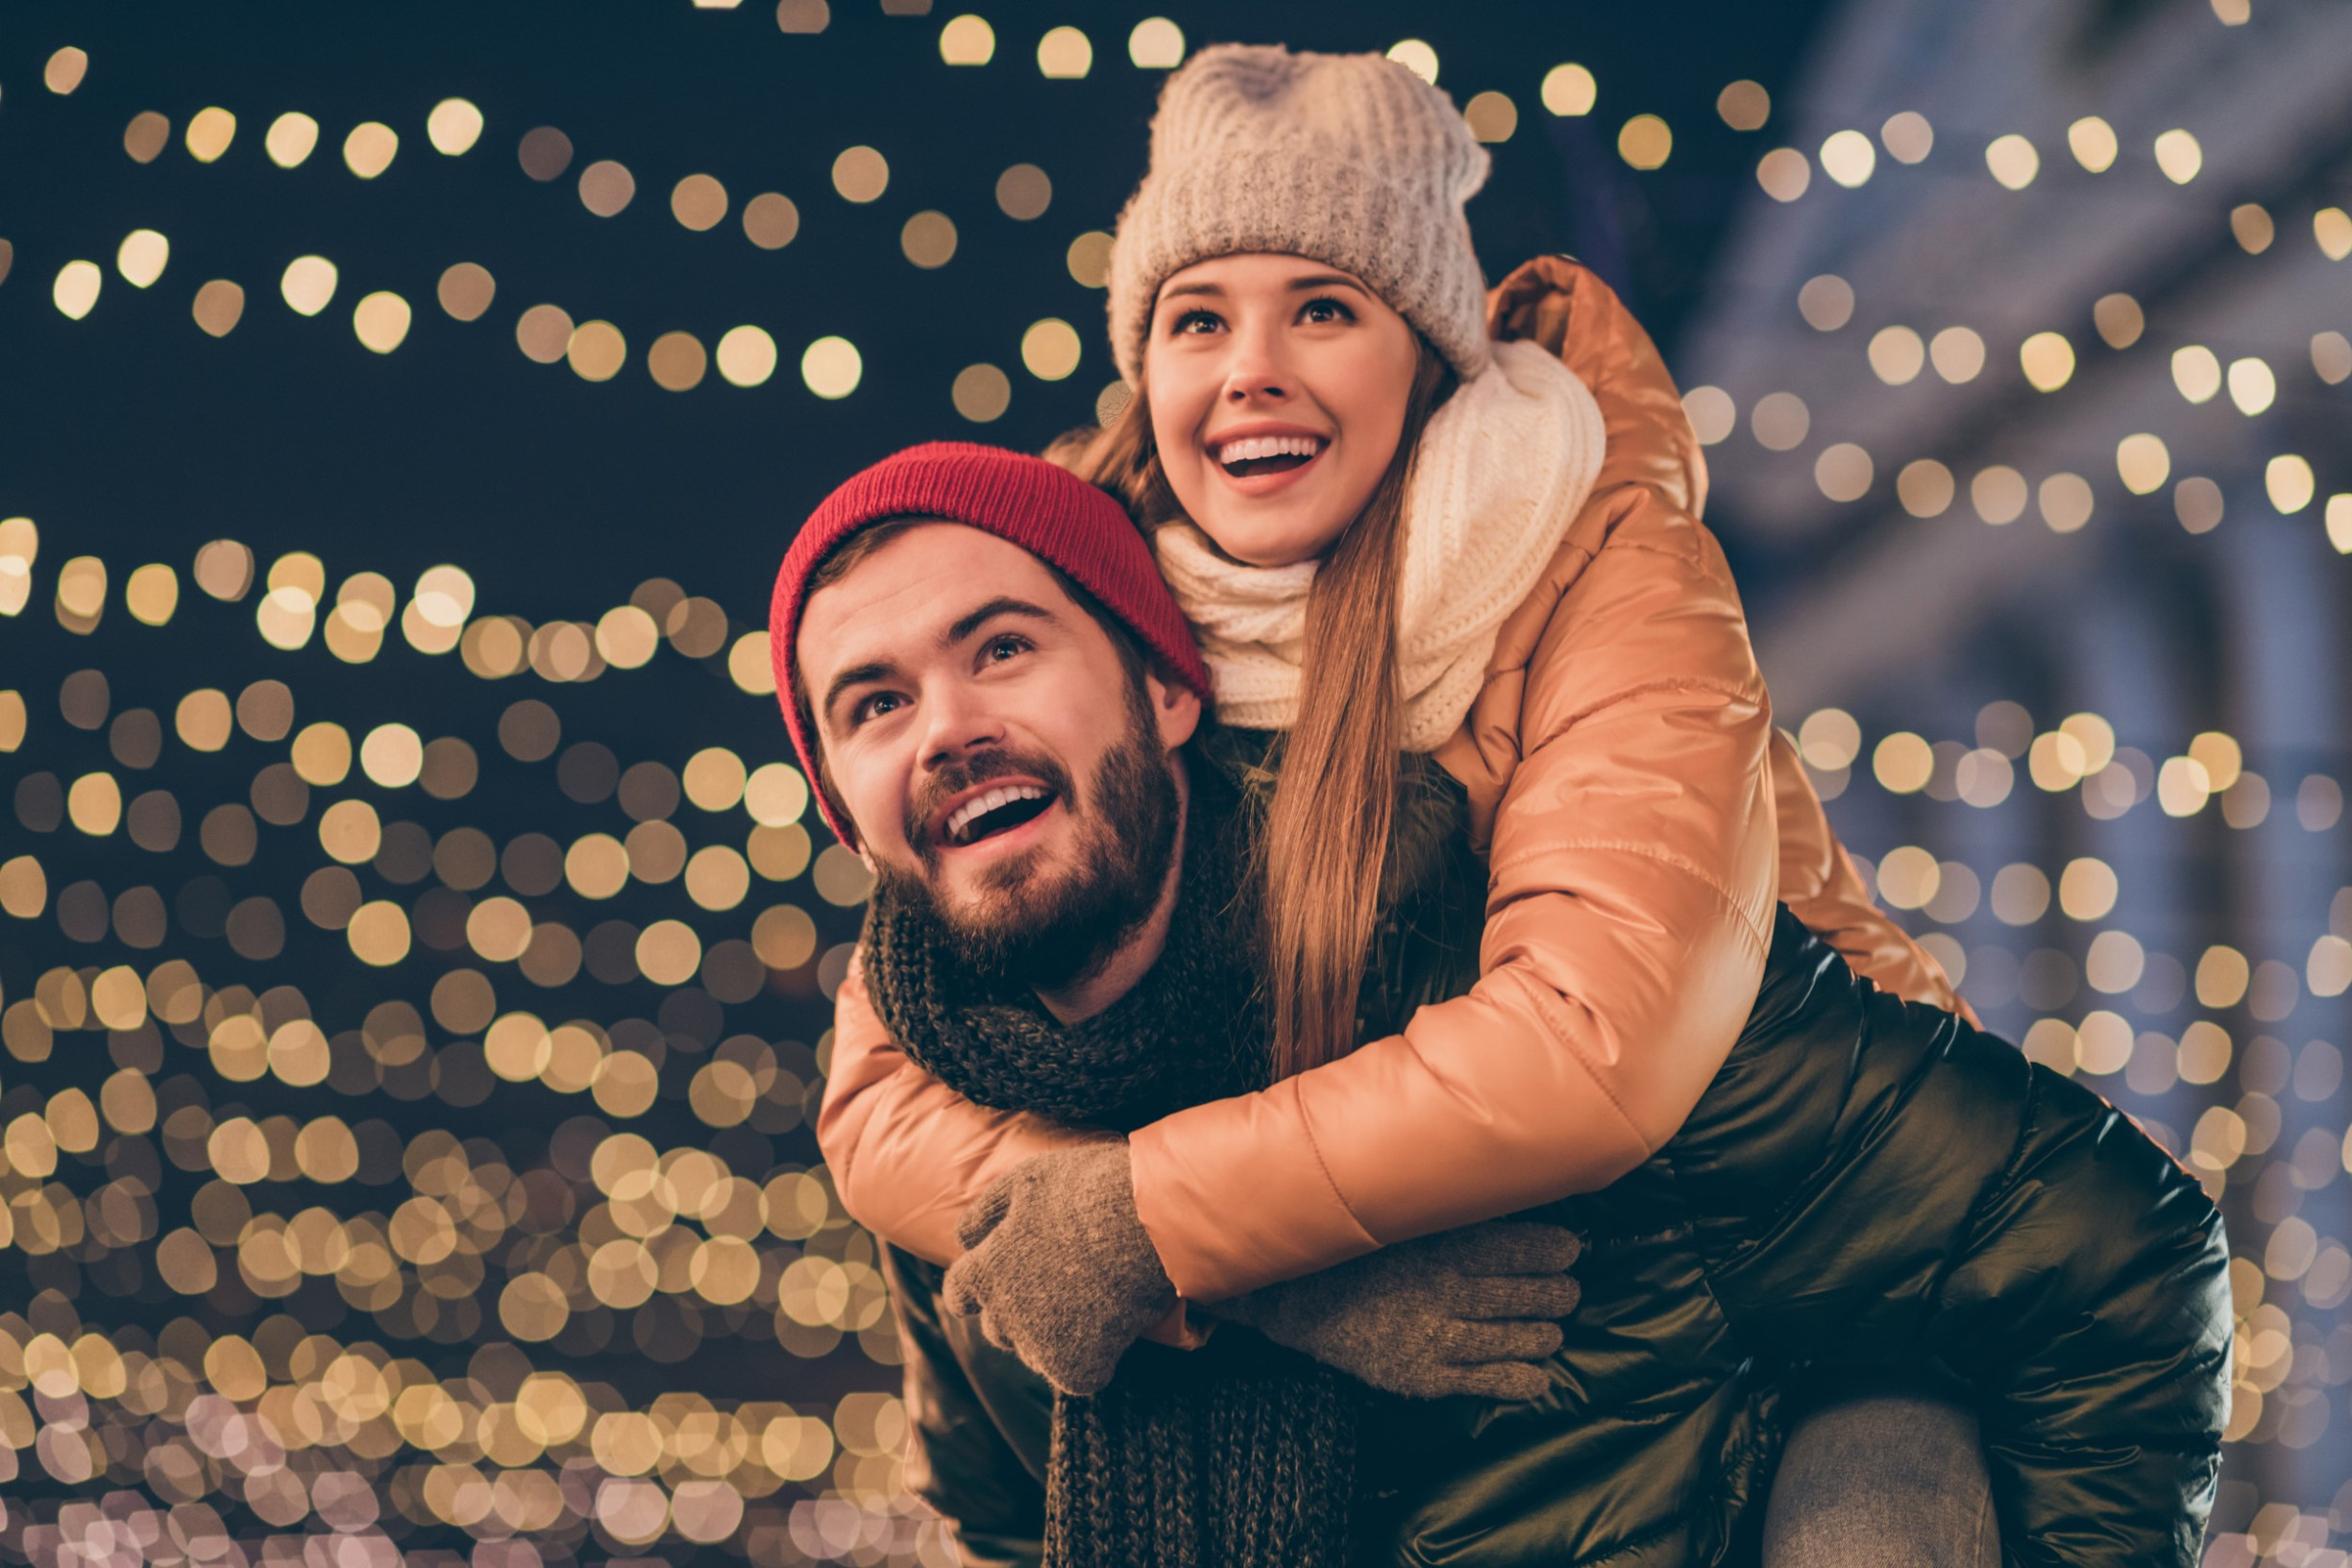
(880, 817)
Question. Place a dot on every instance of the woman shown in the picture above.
(1569, 647)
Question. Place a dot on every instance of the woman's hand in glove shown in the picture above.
(1057, 1267)
(1466, 1312)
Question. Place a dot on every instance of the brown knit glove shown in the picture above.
(1057, 1267)
(1467, 1311)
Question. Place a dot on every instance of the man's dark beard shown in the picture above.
(1049, 932)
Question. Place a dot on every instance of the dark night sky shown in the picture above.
(132, 431)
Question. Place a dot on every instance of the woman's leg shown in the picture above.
(1889, 1478)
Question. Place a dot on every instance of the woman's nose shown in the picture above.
(1257, 386)
(1257, 370)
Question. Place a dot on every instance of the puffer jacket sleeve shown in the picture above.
(1882, 1182)
(1632, 869)
(908, 1154)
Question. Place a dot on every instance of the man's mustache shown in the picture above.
(954, 778)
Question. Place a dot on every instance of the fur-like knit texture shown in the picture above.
(1236, 1456)
(1502, 470)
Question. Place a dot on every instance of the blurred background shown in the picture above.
(416, 947)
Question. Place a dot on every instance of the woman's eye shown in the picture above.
(1195, 322)
(1324, 313)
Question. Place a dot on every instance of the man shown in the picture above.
(1042, 833)
(1003, 714)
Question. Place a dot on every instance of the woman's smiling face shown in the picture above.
(1278, 388)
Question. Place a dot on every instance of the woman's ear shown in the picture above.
(1175, 707)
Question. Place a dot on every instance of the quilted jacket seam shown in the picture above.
(1315, 1146)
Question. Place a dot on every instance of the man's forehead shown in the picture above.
(915, 585)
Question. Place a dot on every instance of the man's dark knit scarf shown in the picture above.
(1236, 1456)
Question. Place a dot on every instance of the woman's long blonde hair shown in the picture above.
(1327, 830)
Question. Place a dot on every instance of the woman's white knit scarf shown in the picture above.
(1504, 468)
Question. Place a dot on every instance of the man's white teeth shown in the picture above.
(1250, 447)
(964, 814)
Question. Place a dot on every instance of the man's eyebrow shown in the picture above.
(859, 675)
(1001, 604)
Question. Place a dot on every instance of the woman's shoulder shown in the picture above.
(1561, 304)
(1643, 516)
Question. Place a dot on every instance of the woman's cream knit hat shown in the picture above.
(1348, 159)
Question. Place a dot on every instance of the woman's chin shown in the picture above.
(1268, 536)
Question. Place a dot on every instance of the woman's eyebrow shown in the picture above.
(1296, 285)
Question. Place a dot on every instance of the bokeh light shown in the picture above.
(968, 40)
(1645, 142)
(307, 284)
(1064, 52)
(291, 139)
(454, 127)
(1156, 44)
(141, 256)
(209, 133)
(1743, 105)
(830, 366)
(370, 148)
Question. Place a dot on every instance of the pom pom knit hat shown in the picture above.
(1348, 159)
(1046, 511)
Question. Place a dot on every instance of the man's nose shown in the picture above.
(955, 724)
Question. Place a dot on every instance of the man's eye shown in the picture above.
(874, 707)
(1001, 649)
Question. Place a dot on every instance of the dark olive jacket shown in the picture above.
(1867, 1181)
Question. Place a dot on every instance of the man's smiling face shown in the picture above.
(990, 743)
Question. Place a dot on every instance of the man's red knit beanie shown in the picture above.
(1048, 510)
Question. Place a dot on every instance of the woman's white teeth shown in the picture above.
(1249, 448)
(970, 811)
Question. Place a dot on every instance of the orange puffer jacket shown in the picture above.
(1640, 816)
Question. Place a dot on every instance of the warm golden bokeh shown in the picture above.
(347, 991)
